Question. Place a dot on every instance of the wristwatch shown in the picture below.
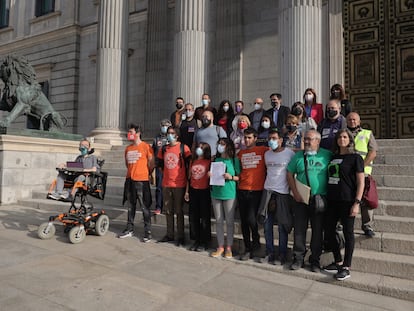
(358, 201)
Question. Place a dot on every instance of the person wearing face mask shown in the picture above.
(312, 108)
(366, 146)
(139, 160)
(237, 136)
(238, 109)
(256, 115)
(176, 116)
(338, 92)
(276, 191)
(333, 122)
(266, 124)
(209, 133)
(89, 164)
(305, 123)
(225, 115)
(278, 113)
(159, 141)
(198, 195)
(173, 159)
(189, 125)
(292, 138)
(205, 106)
(317, 161)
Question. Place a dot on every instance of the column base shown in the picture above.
(114, 137)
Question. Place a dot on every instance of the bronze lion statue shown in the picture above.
(22, 95)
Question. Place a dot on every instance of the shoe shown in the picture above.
(282, 259)
(228, 254)
(296, 265)
(147, 237)
(332, 268)
(343, 274)
(369, 233)
(69, 198)
(166, 238)
(202, 248)
(315, 267)
(245, 256)
(218, 253)
(54, 196)
(271, 259)
(194, 247)
(157, 211)
(126, 234)
(180, 242)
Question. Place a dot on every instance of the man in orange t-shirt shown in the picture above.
(252, 178)
(139, 160)
(174, 158)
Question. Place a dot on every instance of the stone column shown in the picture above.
(112, 71)
(300, 30)
(336, 42)
(190, 50)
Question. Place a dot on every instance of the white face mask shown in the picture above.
(199, 151)
(226, 108)
(257, 106)
(311, 152)
(183, 116)
(190, 114)
(308, 97)
(204, 102)
(265, 124)
(221, 148)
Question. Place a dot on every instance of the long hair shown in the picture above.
(351, 146)
(314, 95)
(230, 149)
(221, 112)
(206, 151)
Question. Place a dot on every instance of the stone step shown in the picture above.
(394, 181)
(391, 224)
(395, 159)
(397, 208)
(114, 165)
(395, 142)
(386, 169)
(396, 150)
(395, 194)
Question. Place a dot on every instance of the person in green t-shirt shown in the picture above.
(224, 197)
(317, 167)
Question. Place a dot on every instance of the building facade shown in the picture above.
(105, 63)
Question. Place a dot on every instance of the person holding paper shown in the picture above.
(223, 197)
(276, 185)
(317, 169)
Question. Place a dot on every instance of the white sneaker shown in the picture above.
(126, 234)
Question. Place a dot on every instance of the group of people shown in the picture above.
(265, 155)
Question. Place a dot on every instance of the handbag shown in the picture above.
(317, 202)
(370, 196)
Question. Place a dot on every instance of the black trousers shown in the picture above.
(139, 191)
(340, 211)
(249, 202)
(302, 215)
(200, 215)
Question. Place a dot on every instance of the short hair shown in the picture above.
(274, 131)
(189, 104)
(165, 122)
(135, 126)
(87, 140)
(315, 132)
(239, 101)
(244, 118)
(250, 130)
(176, 130)
(278, 95)
(180, 98)
(292, 119)
(206, 94)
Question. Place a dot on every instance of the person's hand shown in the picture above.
(186, 197)
(61, 165)
(227, 176)
(354, 210)
(298, 198)
(209, 173)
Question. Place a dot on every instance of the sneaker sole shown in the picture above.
(330, 271)
(343, 278)
(125, 236)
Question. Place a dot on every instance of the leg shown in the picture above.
(145, 202)
(366, 218)
(243, 199)
(348, 229)
(60, 182)
(252, 218)
(283, 242)
(194, 214)
(169, 211)
(229, 208)
(178, 208)
(316, 238)
(219, 215)
(158, 190)
(268, 230)
(332, 216)
(205, 215)
(300, 225)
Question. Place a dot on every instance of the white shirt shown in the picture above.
(276, 164)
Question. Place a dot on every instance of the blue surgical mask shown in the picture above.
(204, 102)
(164, 129)
(273, 144)
(199, 151)
(265, 124)
(221, 148)
(83, 150)
(171, 138)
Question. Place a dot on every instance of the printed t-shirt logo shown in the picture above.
(133, 156)
(198, 171)
(171, 160)
(250, 160)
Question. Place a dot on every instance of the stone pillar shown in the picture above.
(112, 71)
(336, 42)
(190, 50)
(300, 30)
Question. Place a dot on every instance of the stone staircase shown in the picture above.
(383, 264)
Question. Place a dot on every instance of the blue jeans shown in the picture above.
(283, 237)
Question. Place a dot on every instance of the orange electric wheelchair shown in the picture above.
(81, 217)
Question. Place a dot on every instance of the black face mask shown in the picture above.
(332, 113)
(179, 106)
(296, 111)
(273, 104)
(291, 128)
(206, 122)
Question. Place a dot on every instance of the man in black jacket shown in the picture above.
(278, 113)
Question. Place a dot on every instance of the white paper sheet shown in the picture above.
(217, 170)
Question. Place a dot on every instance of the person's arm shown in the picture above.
(94, 167)
(360, 180)
(292, 186)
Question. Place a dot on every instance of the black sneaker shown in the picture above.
(127, 233)
(315, 267)
(166, 239)
(296, 265)
(147, 237)
(282, 259)
(271, 259)
(245, 256)
(180, 242)
(343, 274)
(332, 268)
(194, 247)
(369, 233)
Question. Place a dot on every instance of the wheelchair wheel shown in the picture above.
(46, 230)
(102, 225)
(77, 234)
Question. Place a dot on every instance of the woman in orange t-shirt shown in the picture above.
(198, 195)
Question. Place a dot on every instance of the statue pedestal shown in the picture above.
(113, 137)
(28, 164)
